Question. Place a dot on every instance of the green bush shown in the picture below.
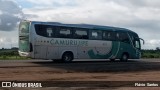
(4, 57)
(150, 54)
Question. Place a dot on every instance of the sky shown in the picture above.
(140, 16)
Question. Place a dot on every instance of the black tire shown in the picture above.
(67, 57)
(112, 60)
(57, 60)
(124, 57)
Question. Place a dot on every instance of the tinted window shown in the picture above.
(64, 32)
(80, 34)
(123, 37)
(135, 40)
(137, 44)
(45, 30)
(109, 35)
(95, 34)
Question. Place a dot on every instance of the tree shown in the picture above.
(158, 48)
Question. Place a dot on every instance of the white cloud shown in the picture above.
(1, 40)
(8, 39)
(1, 12)
(51, 3)
(10, 14)
(141, 16)
(94, 12)
(152, 44)
(148, 13)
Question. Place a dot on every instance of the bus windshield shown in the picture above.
(24, 37)
(136, 41)
(137, 44)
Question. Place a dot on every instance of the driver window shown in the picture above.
(137, 44)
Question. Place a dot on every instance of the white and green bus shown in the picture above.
(56, 41)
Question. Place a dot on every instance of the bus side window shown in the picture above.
(65, 33)
(49, 32)
(41, 30)
(80, 34)
(106, 35)
(96, 35)
(109, 35)
(123, 37)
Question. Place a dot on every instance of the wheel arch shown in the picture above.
(126, 54)
(64, 52)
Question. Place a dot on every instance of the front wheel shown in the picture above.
(112, 60)
(67, 57)
(124, 58)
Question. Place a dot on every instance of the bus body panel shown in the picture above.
(63, 49)
(53, 52)
(82, 49)
(40, 52)
(95, 49)
(126, 48)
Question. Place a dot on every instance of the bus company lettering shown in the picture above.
(69, 42)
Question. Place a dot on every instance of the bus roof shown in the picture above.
(87, 26)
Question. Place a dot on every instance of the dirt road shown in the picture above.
(43, 70)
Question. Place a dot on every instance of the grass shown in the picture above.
(13, 58)
(9, 54)
(151, 54)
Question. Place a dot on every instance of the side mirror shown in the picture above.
(142, 40)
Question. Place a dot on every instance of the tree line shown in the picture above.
(151, 53)
(4, 53)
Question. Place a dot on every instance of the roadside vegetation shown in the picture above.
(12, 54)
(151, 53)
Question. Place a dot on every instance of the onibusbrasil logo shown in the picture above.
(22, 84)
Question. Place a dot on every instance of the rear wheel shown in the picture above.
(67, 57)
(124, 57)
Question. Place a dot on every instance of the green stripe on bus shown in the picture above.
(113, 52)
